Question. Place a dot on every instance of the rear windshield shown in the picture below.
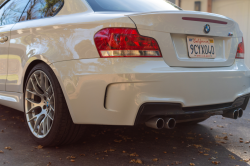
(132, 5)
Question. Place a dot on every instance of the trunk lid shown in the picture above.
(171, 29)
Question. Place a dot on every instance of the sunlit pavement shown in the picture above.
(216, 140)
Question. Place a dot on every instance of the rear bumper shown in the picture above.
(112, 91)
(185, 114)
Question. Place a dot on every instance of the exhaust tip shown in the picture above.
(170, 123)
(156, 123)
(160, 123)
(240, 112)
(235, 114)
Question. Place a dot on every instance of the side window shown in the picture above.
(3, 12)
(12, 11)
(37, 9)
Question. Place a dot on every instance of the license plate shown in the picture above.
(201, 47)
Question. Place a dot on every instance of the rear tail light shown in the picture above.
(125, 42)
(240, 50)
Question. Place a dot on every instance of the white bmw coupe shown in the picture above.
(68, 63)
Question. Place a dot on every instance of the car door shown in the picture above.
(4, 44)
(29, 39)
(10, 13)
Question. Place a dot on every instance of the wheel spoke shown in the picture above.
(34, 105)
(46, 83)
(48, 89)
(37, 81)
(40, 128)
(43, 80)
(32, 119)
(44, 126)
(31, 101)
(34, 93)
(35, 88)
(51, 108)
(50, 117)
(47, 124)
(38, 120)
(32, 109)
(51, 96)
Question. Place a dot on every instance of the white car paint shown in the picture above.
(160, 26)
(130, 82)
(110, 91)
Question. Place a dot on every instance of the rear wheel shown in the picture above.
(46, 112)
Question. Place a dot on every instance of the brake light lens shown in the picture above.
(125, 42)
(241, 50)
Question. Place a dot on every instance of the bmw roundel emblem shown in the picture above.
(207, 28)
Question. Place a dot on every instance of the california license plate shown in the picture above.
(201, 47)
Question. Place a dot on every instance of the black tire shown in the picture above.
(63, 130)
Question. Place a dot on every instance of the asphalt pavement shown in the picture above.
(215, 141)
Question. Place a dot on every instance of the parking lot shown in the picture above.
(216, 141)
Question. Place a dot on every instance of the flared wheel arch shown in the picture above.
(30, 67)
(64, 130)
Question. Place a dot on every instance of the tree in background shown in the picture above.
(1, 1)
(51, 7)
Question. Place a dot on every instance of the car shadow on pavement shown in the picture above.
(118, 145)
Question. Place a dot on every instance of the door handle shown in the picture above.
(4, 39)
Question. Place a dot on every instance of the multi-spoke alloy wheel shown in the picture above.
(39, 104)
(46, 111)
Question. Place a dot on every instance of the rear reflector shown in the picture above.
(125, 42)
(240, 51)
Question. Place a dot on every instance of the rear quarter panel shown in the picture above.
(54, 39)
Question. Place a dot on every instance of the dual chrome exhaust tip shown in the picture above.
(240, 112)
(160, 123)
(235, 114)
(170, 123)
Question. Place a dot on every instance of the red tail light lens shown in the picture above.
(125, 42)
(240, 51)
